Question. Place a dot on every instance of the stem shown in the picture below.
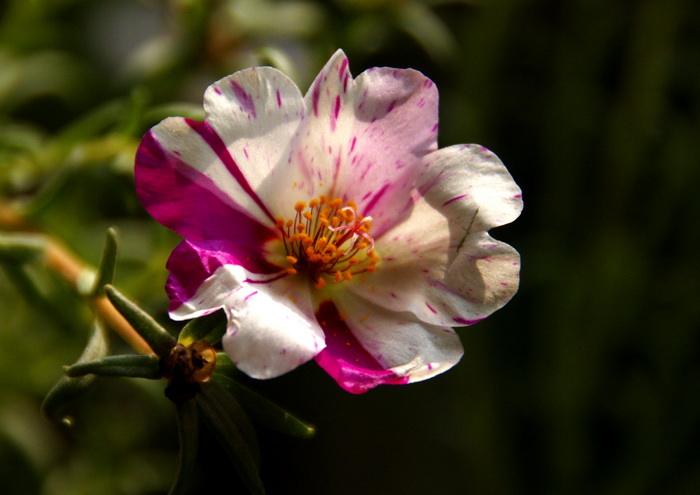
(59, 258)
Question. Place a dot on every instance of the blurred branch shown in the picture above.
(77, 273)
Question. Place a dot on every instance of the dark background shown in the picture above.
(588, 381)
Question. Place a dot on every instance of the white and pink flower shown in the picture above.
(329, 226)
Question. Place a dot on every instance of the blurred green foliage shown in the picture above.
(587, 382)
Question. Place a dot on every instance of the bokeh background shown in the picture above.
(587, 382)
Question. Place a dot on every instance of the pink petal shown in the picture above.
(369, 346)
(178, 152)
(191, 264)
(187, 201)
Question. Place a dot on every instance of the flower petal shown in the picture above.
(271, 324)
(368, 346)
(362, 139)
(185, 199)
(191, 264)
(256, 112)
(179, 152)
(441, 283)
(469, 181)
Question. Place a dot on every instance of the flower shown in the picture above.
(330, 226)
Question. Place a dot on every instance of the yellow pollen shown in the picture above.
(328, 240)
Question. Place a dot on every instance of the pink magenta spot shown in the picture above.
(352, 143)
(279, 99)
(427, 83)
(345, 83)
(250, 295)
(504, 284)
(435, 128)
(393, 294)
(244, 98)
(518, 196)
(391, 106)
(431, 308)
(454, 199)
(343, 66)
(217, 91)
(315, 95)
(463, 321)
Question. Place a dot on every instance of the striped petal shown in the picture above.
(271, 324)
(439, 263)
(367, 346)
(361, 139)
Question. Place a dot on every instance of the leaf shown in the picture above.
(188, 434)
(131, 365)
(21, 248)
(108, 262)
(225, 417)
(210, 328)
(264, 411)
(66, 389)
(155, 335)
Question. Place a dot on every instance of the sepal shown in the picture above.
(108, 262)
(209, 327)
(129, 365)
(264, 411)
(155, 335)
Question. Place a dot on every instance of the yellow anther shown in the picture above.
(335, 221)
(300, 206)
(338, 276)
(347, 275)
(279, 222)
(308, 216)
(301, 227)
(337, 203)
(320, 283)
(323, 199)
(313, 203)
(292, 260)
(291, 271)
(290, 223)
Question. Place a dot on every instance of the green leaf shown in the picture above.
(264, 411)
(21, 248)
(225, 417)
(210, 328)
(66, 389)
(188, 434)
(131, 365)
(155, 335)
(108, 262)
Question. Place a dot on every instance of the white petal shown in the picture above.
(272, 328)
(469, 181)
(440, 283)
(400, 342)
(255, 111)
(361, 139)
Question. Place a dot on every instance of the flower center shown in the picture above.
(328, 240)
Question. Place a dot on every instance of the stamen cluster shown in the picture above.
(328, 240)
